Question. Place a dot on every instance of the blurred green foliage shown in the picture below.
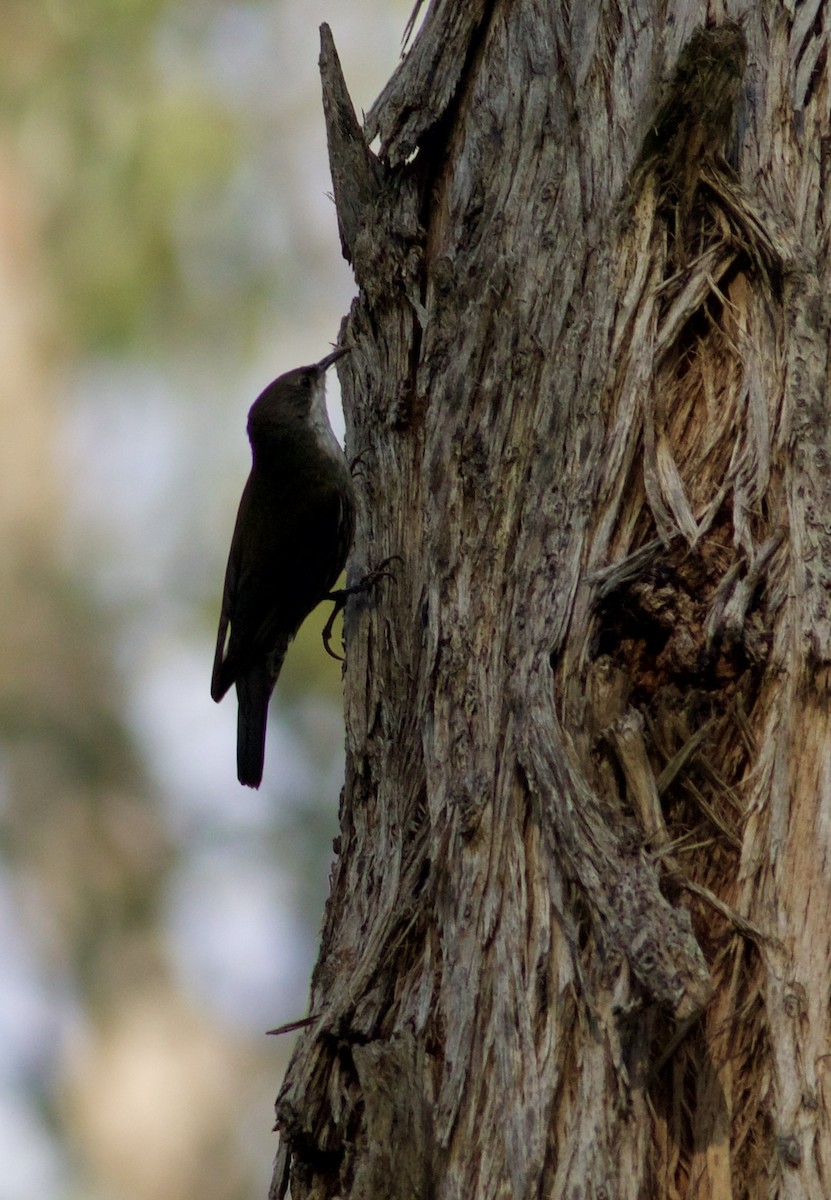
(119, 151)
(160, 227)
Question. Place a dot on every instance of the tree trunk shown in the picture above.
(578, 942)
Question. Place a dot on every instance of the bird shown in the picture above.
(292, 537)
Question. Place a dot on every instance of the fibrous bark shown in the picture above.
(577, 941)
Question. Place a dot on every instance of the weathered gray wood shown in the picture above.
(356, 174)
(578, 938)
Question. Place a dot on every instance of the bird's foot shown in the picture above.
(341, 595)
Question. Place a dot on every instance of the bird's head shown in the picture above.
(299, 395)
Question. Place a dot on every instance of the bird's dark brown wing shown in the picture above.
(222, 678)
(289, 546)
(219, 685)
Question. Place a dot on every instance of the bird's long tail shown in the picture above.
(254, 690)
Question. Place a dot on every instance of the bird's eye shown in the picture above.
(306, 383)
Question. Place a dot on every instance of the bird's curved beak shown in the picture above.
(337, 353)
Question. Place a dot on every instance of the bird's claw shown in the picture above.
(340, 597)
(340, 603)
(357, 461)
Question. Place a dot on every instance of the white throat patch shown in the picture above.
(319, 420)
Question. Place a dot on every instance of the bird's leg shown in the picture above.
(341, 595)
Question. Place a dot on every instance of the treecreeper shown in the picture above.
(292, 537)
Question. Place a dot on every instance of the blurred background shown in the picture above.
(167, 246)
